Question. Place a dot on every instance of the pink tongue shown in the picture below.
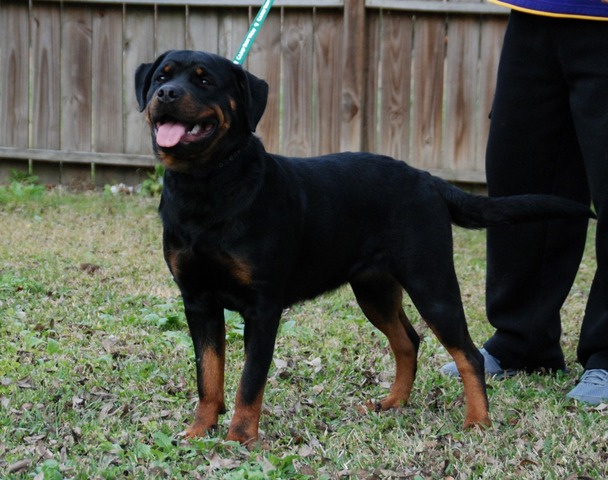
(169, 134)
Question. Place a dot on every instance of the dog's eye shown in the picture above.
(161, 78)
(205, 81)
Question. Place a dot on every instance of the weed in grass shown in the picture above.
(97, 371)
(22, 187)
(153, 185)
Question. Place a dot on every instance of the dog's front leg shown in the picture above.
(206, 322)
(260, 334)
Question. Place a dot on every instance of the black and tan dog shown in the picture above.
(255, 232)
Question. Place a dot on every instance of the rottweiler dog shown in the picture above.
(253, 232)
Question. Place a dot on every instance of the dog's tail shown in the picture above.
(477, 211)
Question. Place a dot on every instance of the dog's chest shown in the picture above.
(201, 247)
(208, 269)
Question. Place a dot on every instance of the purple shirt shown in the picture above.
(562, 8)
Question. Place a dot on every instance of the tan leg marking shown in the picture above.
(245, 422)
(212, 404)
(476, 400)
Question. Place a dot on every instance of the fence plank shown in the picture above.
(265, 62)
(372, 68)
(45, 80)
(107, 101)
(138, 49)
(202, 32)
(461, 114)
(76, 71)
(14, 102)
(327, 93)
(353, 49)
(76, 90)
(395, 122)
(297, 82)
(429, 54)
(170, 29)
(46, 73)
(233, 26)
(438, 6)
(82, 158)
(220, 3)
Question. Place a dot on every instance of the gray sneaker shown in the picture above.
(592, 387)
(491, 365)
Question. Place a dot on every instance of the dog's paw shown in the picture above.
(389, 403)
(198, 429)
(482, 423)
(246, 435)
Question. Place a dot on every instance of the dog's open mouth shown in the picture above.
(170, 132)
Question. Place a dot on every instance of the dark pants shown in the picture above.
(548, 134)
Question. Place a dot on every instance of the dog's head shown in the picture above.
(199, 106)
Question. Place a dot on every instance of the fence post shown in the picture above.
(353, 78)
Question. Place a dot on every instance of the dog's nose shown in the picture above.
(169, 93)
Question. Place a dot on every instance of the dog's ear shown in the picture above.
(255, 96)
(143, 80)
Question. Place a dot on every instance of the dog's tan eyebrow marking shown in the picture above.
(232, 103)
(167, 68)
(200, 71)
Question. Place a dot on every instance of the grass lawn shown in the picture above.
(97, 373)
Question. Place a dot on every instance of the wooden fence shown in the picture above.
(411, 79)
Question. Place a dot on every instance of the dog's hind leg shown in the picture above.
(379, 296)
(431, 283)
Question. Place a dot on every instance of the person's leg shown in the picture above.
(584, 50)
(532, 148)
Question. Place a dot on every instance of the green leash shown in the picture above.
(254, 29)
